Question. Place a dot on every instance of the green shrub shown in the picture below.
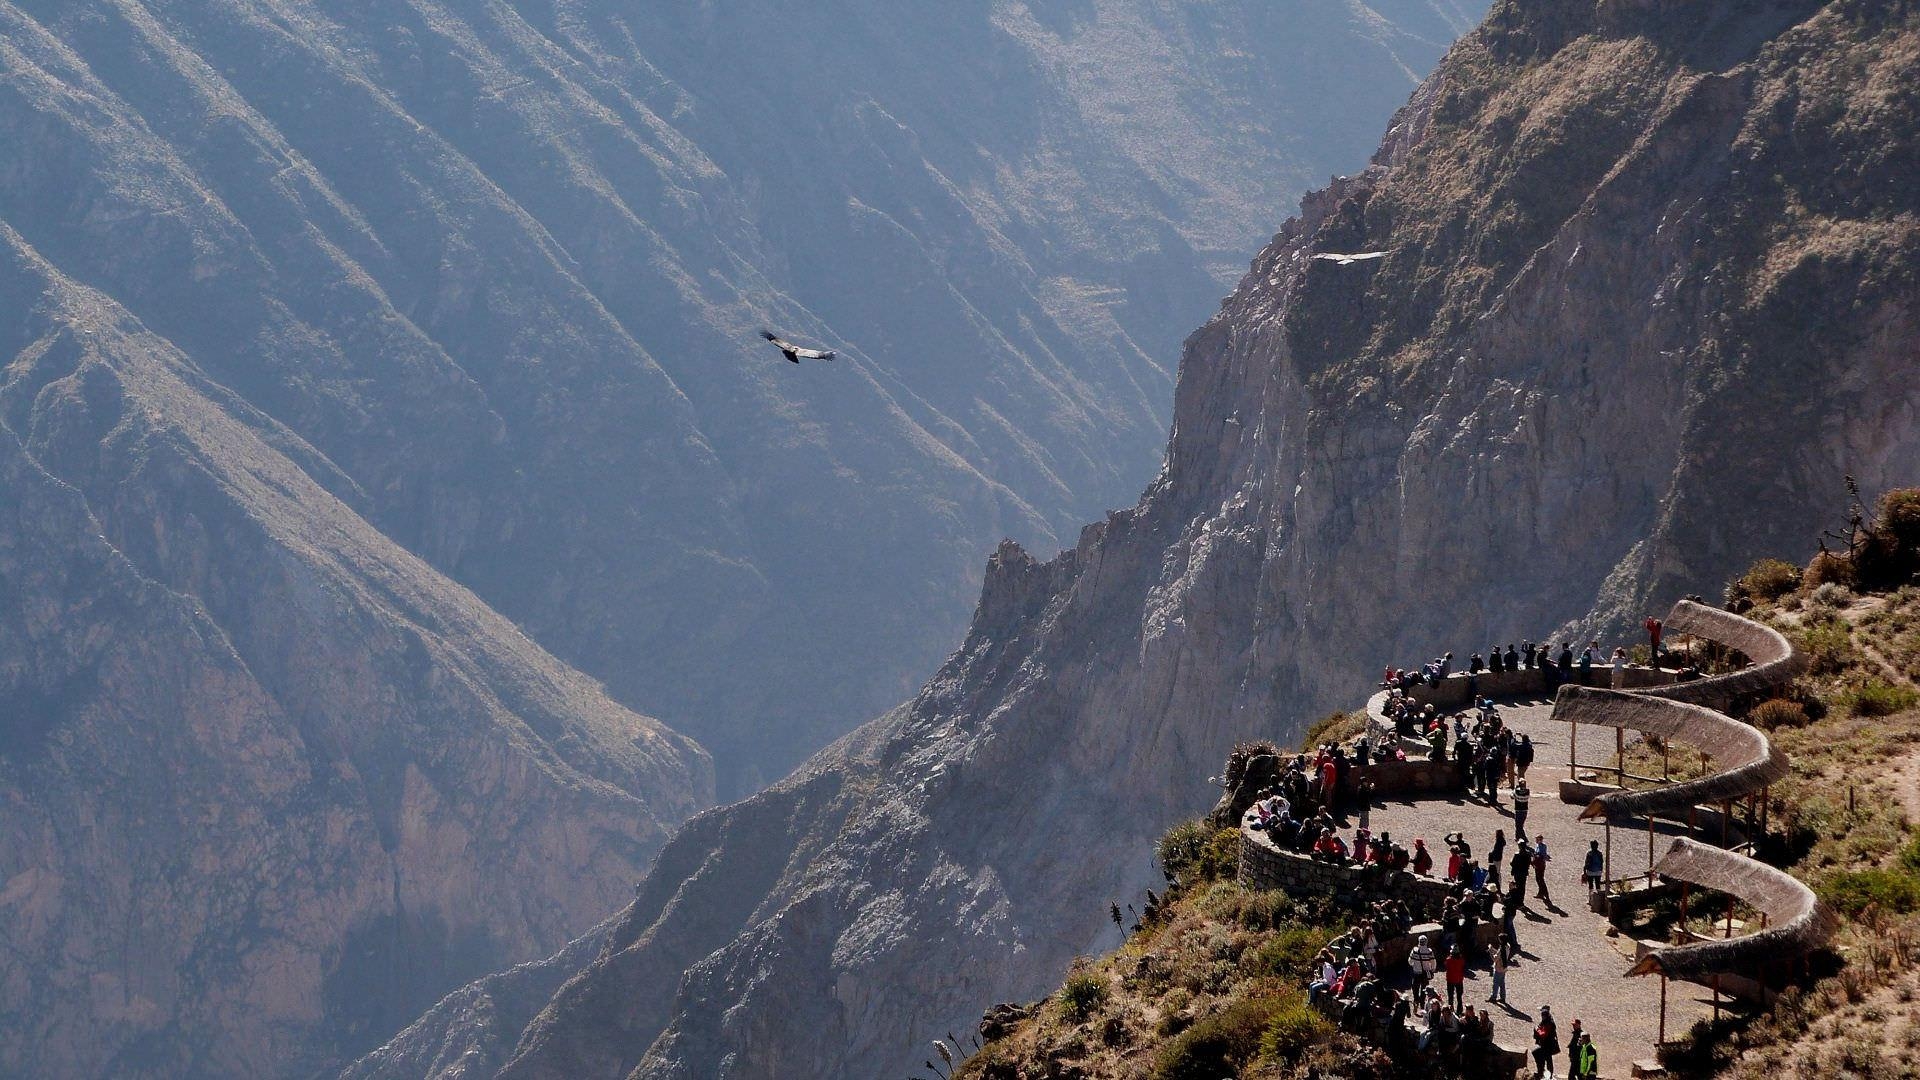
(1876, 697)
(1778, 713)
(1293, 1027)
(1828, 569)
(1182, 847)
(1899, 517)
(1082, 995)
(1769, 579)
(1196, 853)
(1288, 952)
(1891, 554)
(1827, 645)
(1334, 727)
(1854, 891)
(1216, 1046)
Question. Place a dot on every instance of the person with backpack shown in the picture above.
(1523, 754)
(1422, 860)
(1595, 867)
(1585, 1063)
(1540, 858)
(1546, 1043)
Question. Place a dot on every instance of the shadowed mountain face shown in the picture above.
(502, 268)
(1650, 292)
(271, 783)
(361, 358)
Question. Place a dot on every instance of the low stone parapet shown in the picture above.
(1264, 865)
(1408, 777)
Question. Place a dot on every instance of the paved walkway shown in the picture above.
(1568, 962)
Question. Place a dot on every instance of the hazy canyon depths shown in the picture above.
(1651, 291)
(374, 369)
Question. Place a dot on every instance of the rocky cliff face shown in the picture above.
(271, 783)
(1650, 292)
(503, 268)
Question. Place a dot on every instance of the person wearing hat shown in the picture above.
(1546, 1043)
(1585, 1063)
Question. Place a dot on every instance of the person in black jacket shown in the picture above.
(1546, 1043)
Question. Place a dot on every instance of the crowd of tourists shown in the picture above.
(1558, 667)
(1429, 1016)
(1416, 1020)
(1438, 1024)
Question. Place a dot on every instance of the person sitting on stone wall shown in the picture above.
(1496, 661)
(1324, 974)
(1513, 658)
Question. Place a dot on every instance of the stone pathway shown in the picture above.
(1569, 962)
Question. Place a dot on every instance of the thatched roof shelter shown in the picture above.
(1680, 712)
(1748, 759)
(1775, 662)
(1797, 922)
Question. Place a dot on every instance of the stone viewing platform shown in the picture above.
(1573, 958)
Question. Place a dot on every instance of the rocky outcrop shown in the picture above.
(271, 784)
(503, 268)
(1649, 293)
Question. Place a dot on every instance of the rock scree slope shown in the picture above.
(1650, 292)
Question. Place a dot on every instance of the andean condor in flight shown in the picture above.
(795, 352)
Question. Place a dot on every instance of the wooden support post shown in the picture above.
(1716, 997)
(1661, 1039)
(1606, 874)
(1620, 757)
(1649, 849)
(1573, 753)
(1726, 819)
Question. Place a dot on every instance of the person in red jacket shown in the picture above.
(1457, 979)
(1422, 860)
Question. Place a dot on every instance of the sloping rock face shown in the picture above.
(1650, 291)
(271, 785)
(504, 265)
